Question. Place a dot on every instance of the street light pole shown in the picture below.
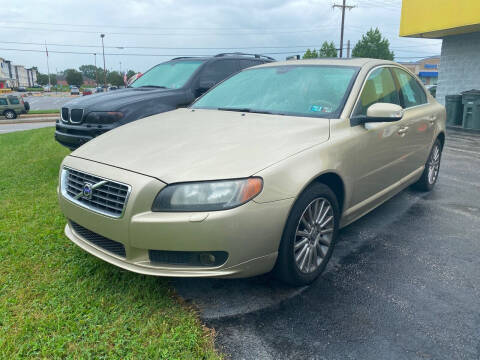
(104, 68)
(96, 72)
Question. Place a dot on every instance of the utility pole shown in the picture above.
(48, 68)
(96, 72)
(348, 49)
(343, 7)
(104, 68)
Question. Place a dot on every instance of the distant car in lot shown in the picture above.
(12, 106)
(21, 89)
(259, 174)
(432, 89)
(87, 92)
(98, 89)
(167, 86)
(74, 90)
(112, 88)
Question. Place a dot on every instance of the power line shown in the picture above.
(158, 47)
(133, 54)
(167, 34)
(103, 26)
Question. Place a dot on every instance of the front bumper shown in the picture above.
(250, 234)
(74, 136)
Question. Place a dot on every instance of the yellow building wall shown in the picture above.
(439, 18)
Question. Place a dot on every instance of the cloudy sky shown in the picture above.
(142, 33)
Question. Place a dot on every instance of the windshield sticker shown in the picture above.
(316, 108)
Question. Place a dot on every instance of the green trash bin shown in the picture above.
(471, 109)
(454, 107)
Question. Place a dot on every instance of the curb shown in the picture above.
(28, 116)
(27, 121)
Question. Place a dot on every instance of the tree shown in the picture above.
(328, 49)
(309, 54)
(115, 78)
(42, 79)
(73, 77)
(88, 71)
(130, 73)
(372, 45)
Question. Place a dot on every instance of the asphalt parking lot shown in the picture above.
(48, 102)
(6, 128)
(403, 283)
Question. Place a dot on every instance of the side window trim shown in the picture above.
(355, 122)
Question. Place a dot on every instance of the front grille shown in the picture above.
(109, 198)
(99, 240)
(65, 114)
(76, 116)
(188, 258)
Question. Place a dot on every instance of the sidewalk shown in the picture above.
(25, 119)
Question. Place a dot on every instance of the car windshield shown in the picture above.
(305, 90)
(172, 75)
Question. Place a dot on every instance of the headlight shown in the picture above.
(208, 195)
(103, 117)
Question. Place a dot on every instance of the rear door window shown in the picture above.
(410, 90)
(219, 70)
(246, 63)
(379, 88)
(13, 100)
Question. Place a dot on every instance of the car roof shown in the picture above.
(357, 62)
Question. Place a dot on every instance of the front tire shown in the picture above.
(430, 174)
(309, 236)
(10, 114)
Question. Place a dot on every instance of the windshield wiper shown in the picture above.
(154, 86)
(247, 110)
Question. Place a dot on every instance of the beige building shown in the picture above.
(21, 75)
(426, 69)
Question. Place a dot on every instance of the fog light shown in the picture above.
(207, 259)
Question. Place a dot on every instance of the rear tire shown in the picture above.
(10, 114)
(309, 236)
(430, 174)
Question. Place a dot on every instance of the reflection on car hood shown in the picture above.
(186, 145)
(113, 100)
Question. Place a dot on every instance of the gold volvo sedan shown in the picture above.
(259, 174)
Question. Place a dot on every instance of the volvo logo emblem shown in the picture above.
(87, 190)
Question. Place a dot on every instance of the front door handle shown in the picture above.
(431, 119)
(402, 131)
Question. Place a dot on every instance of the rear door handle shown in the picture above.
(402, 131)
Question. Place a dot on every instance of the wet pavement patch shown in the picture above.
(222, 298)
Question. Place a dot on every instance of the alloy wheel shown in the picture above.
(9, 115)
(434, 164)
(313, 236)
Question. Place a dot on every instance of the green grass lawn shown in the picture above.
(56, 301)
(50, 111)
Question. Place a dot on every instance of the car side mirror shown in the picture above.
(384, 112)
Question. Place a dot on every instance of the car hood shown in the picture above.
(196, 145)
(113, 100)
